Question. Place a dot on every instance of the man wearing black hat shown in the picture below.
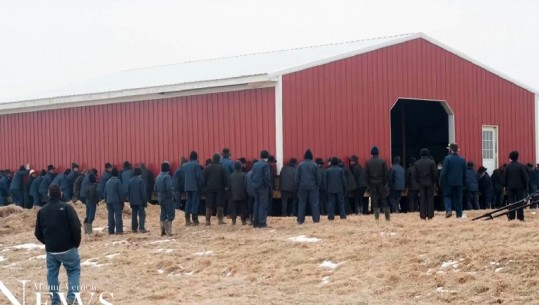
(376, 174)
(70, 181)
(216, 181)
(471, 187)
(308, 181)
(114, 197)
(261, 184)
(45, 183)
(136, 192)
(288, 188)
(322, 191)
(359, 176)
(485, 188)
(424, 173)
(193, 185)
(453, 178)
(336, 187)
(165, 196)
(516, 182)
(103, 181)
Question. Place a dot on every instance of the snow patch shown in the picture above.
(111, 256)
(160, 271)
(92, 262)
(2, 259)
(29, 247)
(155, 242)
(99, 229)
(450, 264)
(163, 251)
(5, 250)
(203, 253)
(304, 239)
(443, 290)
(494, 263)
(325, 280)
(189, 273)
(120, 242)
(498, 269)
(387, 234)
(330, 265)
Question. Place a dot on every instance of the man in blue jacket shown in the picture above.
(114, 197)
(15, 187)
(193, 186)
(452, 179)
(34, 189)
(126, 175)
(103, 181)
(45, 183)
(226, 162)
(308, 182)
(472, 187)
(336, 188)
(137, 195)
(5, 182)
(70, 181)
(398, 182)
(261, 184)
(165, 196)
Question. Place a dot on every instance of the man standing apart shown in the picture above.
(453, 177)
(260, 182)
(376, 174)
(308, 182)
(58, 227)
(193, 186)
(114, 197)
(424, 173)
(516, 182)
(165, 196)
(136, 193)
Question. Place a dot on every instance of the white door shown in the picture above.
(490, 148)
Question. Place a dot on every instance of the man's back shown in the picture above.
(288, 179)
(454, 170)
(397, 177)
(308, 176)
(260, 176)
(516, 176)
(114, 192)
(215, 177)
(376, 171)
(136, 191)
(336, 181)
(193, 178)
(58, 227)
(424, 171)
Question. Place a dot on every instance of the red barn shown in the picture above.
(400, 93)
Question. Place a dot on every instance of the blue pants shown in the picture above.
(453, 199)
(68, 195)
(395, 200)
(138, 217)
(71, 262)
(115, 217)
(90, 212)
(193, 201)
(17, 197)
(168, 211)
(260, 208)
(311, 197)
(336, 198)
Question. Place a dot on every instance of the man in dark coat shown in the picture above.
(126, 175)
(34, 189)
(70, 181)
(165, 196)
(86, 182)
(533, 183)
(485, 188)
(288, 188)
(103, 181)
(453, 178)
(149, 180)
(471, 187)
(250, 192)
(498, 182)
(351, 188)
(65, 186)
(77, 184)
(5, 181)
(27, 185)
(424, 173)
(114, 197)
(413, 188)
(260, 181)
(322, 191)
(376, 174)
(516, 182)
(45, 183)
(308, 181)
(226, 162)
(336, 187)
(136, 194)
(359, 193)
(238, 194)
(216, 180)
(193, 184)
(397, 185)
(16, 186)
(178, 185)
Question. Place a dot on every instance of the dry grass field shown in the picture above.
(355, 261)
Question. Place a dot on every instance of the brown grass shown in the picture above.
(384, 263)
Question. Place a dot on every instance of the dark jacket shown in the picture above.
(163, 188)
(16, 181)
(114, 191)
(336, 180)
(261, 176)
(497, 179)
(178, 182)
(58, 179)
(34, 188)
(27, 184)
(227, 164)
(376, 171)
(516, 176)
(485, 185)
(149, 181)
(70, 180)
(215, 177)
(397, 177)
(424, 172)
(237, 186)
(471, 180)
(323, 179)
(359, 175)
(77, 186)
(248, 184)
(91, 196)
(44, 186)
(86, 182)
(193, 180)
(453, 171)
(4, 190)
(308, 176)
(136, 191)
(66, 186)
(127, 174)
(288, 179)
(58, 227)
(350, 180)
(411, 183)
(102, 183)
(534, 180)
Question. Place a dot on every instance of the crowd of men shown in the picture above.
(314, 186)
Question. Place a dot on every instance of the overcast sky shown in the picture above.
(48, 44)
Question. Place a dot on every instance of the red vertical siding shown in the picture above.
(146, 131)
(344, 124)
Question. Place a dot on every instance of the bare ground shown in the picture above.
(406, 261)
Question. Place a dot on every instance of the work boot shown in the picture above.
(195, 219)
(357, 209)
(243, 221)
(208, 217)
(188, 219)
(220, 216)
(85, 226)
(386, 212)
(168, 227)
(376, 214)
(233, 220)
(163, 232)
(90, 229)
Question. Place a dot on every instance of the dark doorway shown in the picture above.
(416, 124)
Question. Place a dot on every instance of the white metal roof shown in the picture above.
(220, 72)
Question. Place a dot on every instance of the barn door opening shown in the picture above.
(421, 123)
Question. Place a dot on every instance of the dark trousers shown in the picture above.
(453, 199)
(394, 200)
(333, 200)
(215, 199)
(193, 201)
(498, 198)
(90, 212)
(323, 199)
(514, 195)
(168, 210)
(533, 189)
(426, 203)
(378, 200)
(237, 207)
(310, 196)
(260, 208)
(359, 200)
(250, 206)
(485, 201)
(413, 201)
(17, 197)
(472, 200)
(138, 217)
(288, 203)
(115, 221)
